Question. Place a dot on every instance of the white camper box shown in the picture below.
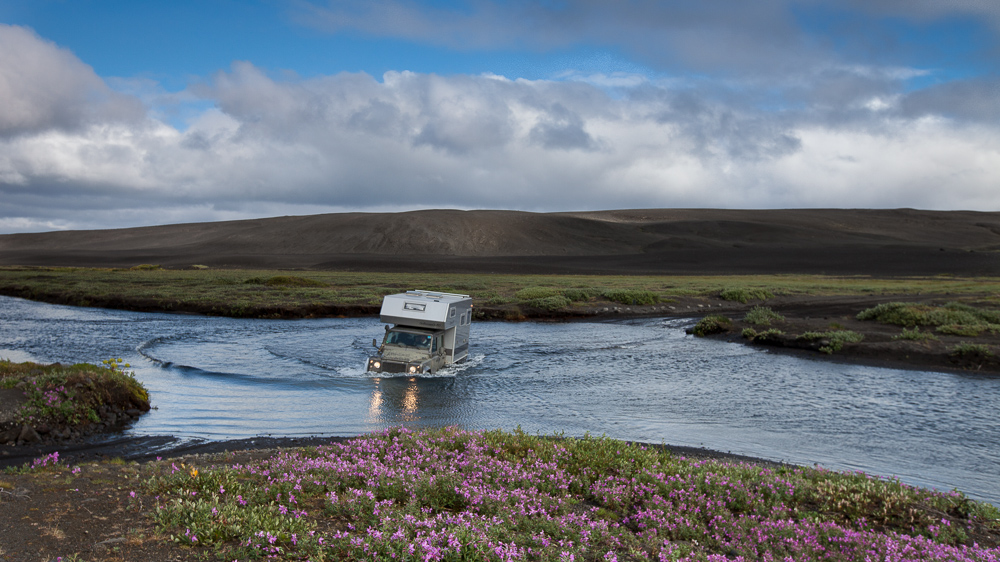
(443, 318)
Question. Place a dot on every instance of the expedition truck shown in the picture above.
(429, 331)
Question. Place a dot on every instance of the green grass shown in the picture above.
(273, 293)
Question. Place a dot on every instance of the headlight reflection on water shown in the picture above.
(388, 405)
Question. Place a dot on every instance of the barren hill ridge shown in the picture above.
(899, 241)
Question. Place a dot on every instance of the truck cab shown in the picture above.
(429, 331)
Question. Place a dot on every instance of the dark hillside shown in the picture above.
(662, 241)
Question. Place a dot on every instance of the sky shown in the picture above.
(115, 113)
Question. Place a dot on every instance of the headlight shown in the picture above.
(376, 364)
(413, 369)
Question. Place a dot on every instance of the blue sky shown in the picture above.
(132, 113)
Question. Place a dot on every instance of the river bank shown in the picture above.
(592, 498)
(808, 304)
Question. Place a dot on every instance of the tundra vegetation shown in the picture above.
(70, 395)
(712, 324)
(833, 340)
(745, 294)
(953, 318)
(762, 316)
(449, 494)
(252, 293)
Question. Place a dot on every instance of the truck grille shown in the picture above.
(393, 367)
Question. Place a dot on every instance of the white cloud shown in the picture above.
(351, 142)
(45, 87)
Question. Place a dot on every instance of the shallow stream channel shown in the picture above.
(640, 379)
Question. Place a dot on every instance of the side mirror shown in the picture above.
(374, 342)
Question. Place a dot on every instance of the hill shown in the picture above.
(648, 241)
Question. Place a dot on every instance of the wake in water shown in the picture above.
(640, 379)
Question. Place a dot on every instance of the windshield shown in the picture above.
(406, 338)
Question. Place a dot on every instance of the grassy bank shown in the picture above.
(456, 495)
(63, 400)
(246, 293)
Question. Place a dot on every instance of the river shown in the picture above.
(638, 379)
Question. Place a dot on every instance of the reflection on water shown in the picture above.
(394, 401)
(642, 380)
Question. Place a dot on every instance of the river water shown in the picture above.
(640, 379)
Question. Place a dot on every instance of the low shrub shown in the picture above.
(762, 316)
(494, 298)
(963, 330)
(554, 302)
(833, 340)
(915, 335)
(633, 297)
(744, 295)
(145, 267)
(769, 334)
(966, 350)
(580, 295)
(714, 324)
(918, 314)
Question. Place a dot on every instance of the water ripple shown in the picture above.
(643, 380)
